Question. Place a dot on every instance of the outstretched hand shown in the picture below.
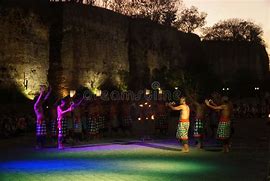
(72, 107)
(42, 89)
(170, 104)
(207, 102)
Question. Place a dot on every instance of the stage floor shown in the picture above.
(135, 160)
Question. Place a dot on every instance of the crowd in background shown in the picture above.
(98, 119)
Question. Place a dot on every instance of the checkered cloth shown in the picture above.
(54, 127)
(182, 131)
(198, 128)
(161, 122)
(101, 122)
(77, 126)
(41, 129)
(62, 130)
(127, 122)
(223, 131)
(92, 126)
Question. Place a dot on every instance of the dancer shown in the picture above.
(199, 128)
(61, 119)
(223, 131)
(41, 124)
(183, 124)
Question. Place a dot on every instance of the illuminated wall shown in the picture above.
(87, 46)
(94, 47)
(23, 51)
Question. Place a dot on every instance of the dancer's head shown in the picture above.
(182, 100)
(224, 99)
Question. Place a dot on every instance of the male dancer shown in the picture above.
(183, 124)
(199, 128)
(61, 119)
(41, 124)
(223, 131)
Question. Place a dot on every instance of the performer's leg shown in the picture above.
(42, 140)
(38, 144)
(225, 145)
(60, 141)
(199, 142)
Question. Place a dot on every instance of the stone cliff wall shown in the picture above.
(228, 59)
(89, 46)
(24, 50)
(152, 46)
(94, 47)
(98, 46)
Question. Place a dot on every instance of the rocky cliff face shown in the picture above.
(229, 59)
(94, 47)
(98, 46)
(24, 50)
(153, 46)
(89, 46)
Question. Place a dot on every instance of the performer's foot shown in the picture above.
(60, 147)
(226, 149)
(199, 146)
(185, 150)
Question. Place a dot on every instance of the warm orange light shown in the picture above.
(72, 93)
(152, 117)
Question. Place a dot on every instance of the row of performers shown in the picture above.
(93, 119)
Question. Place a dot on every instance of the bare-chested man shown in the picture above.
(199, 122)
(61, 113)
(41, 124)
(223, 131)
(183, 124)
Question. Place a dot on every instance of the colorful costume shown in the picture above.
(92, 125)
(198, 128)
(224, 128)
(54, 128)
(182, 130)
(62, 129)
(41, 129)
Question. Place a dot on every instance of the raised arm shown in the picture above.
(78, 103)
(207, 102)
(48, 93)
(60, 111)
(39, 97)
(175, 108)
(212, 102)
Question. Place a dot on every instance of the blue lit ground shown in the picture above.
(154, 160)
